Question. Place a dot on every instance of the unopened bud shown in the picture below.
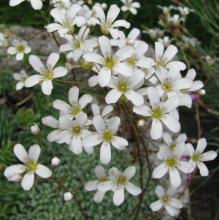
(35, 129)
(68, 196)
(55, 161)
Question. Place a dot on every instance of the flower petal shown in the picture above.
(105, 153)
(20, 153)
(43, 171)
(27, 181)
(129, 172)
(34, 152)
(133, 189)
(118, 197)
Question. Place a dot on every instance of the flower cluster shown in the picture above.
(153, 87)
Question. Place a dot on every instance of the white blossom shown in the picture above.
(30, 167)
(166, 200)
(121, 181)
(20, 78)
(129, 5)
(106, 136)
(46, 74)
(198, 157)
(19, 49)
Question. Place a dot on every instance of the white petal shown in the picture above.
(171, 210)
(171, 104)
(98, 196)
(47, 87)
(105, 153)
(113, 96)
(156, 129)
(99, 124)
(160, 171)
(202, 144)
(142, 110)
(34, 152)
(84, 100)
(94, 58)
(61, 105)
(99, 171)
(210, 155)
(136, 98)
(27, 181)
(76, 145)
(43, 171)
(176, 203)
(132, 189)
(157, 205)
(36, 63)
(73, 95)
(159, 49)
(153, 96)
(203, 169)
(113, 124)
(91, 185)
(159, 191)
(20, 153)
(175, 177)
(32, 80)
(92, 140)
(123, 69)
(170, 52)
(14, 169)
(36, 4)
(11, 50)
(171, 123)
(118, 197)
(185, 167)
(113, 13)
(59, 72)
(105, 46)
(129, 172)
(119, 143)
(15, 2)
(104, 77)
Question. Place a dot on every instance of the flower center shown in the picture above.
(165, 199)
(109, 62)
(105, 27)
(20, 48)
(171, 162)
(31, 166)
(172, 147)
(167, 86)
(75, 110)
(69, 26)
(48, 74)
(131, 61)
(77, 44)
(103, 179)
(122, 180)
(160, 63)
(107, 136)
(196, 158)
(76, 129)
(122, 86)
(157, 112)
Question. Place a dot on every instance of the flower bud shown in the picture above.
(68, 196)
(35, 129)
(55, 161)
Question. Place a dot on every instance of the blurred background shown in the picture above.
(197, 37)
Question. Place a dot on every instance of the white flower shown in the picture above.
(36, 4)
(101, 185)
(184, 11)
(124, 87)
(166, 200)
(73, 133)
(163, 59)
(76, 105)
(130, 40)
(108, 23)
(121, 182)
(21, 78)
(172, 163)
(35, 129)
(160, 113)
(172, 143)
(66, 22)
(131, 6)
(68, 196)
(19, 48)
(185, 95)
(79, 45)
(55, 161)
(30, 166)
(106, 134)
(47, 74)
(197, 157)
(110, 62)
